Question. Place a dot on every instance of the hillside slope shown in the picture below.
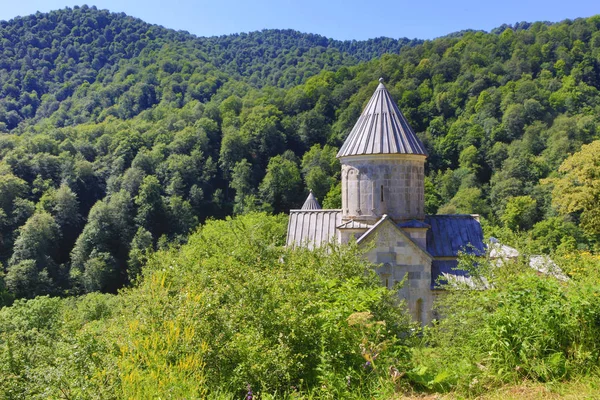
(121, 136)
(52, 54)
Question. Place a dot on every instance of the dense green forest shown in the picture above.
(120, 137)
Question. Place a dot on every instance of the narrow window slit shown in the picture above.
(381, 192)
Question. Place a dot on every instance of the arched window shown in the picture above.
(386, 275)
(350, 188)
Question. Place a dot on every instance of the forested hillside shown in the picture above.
(46, 57)
(120, 137)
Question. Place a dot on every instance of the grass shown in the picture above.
(585, 388)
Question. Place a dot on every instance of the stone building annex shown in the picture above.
(383, 204)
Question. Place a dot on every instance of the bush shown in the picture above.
(526, 325)
(272, 317)
(232, 307)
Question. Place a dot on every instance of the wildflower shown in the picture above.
(249, 395)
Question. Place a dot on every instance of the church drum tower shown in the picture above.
(382, 165)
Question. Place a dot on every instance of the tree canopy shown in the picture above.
(129, 135)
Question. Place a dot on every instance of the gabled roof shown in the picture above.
(312, 228)
(450, 234)
(381, 129)
(311, 202)
(385, 218)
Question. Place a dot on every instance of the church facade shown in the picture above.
(383, 208)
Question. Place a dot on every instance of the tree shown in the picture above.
(6, 296)
(33, 265)
(11, 188)
(26, 280)
(261, 129)
(38, 241)
(469, 158)
(152, 212)
(141, 245)
(234, 148)
(100, 272)
(321, 169)
(181, 216)
(514, 121)
(105, 238)
(62, 204)
(519, 213)
(432, 197)
(466, 201)
(282, 185)
(577, 188)
(555, 232)
(242, 183)
(333, 199)
(14, 209)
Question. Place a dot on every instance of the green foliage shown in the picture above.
(575, 191)
(241, 182)
(432, 198)
(554, 232)
(466, 201)
(230, 308)
(525, 325)
(321, 169)
(234, 307)
(281, 186)
(94, 105)
(33, 269)
(99, 256)
(141, 246)
(52, 348)
(25, 280)
(333, 199)
(519, 213)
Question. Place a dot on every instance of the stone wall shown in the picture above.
(396, 256)
(387, 184)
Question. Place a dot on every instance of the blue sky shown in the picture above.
(349, 19)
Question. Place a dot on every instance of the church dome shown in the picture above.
(381, 129)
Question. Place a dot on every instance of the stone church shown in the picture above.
(383, 206)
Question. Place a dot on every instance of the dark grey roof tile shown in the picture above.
(450, 234)
(311, 203)
(413, 223)
(381, 129)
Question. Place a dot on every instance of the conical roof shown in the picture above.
(311, 203)
(381, 129)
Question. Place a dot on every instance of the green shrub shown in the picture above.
(232, 307)
(526, 325)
